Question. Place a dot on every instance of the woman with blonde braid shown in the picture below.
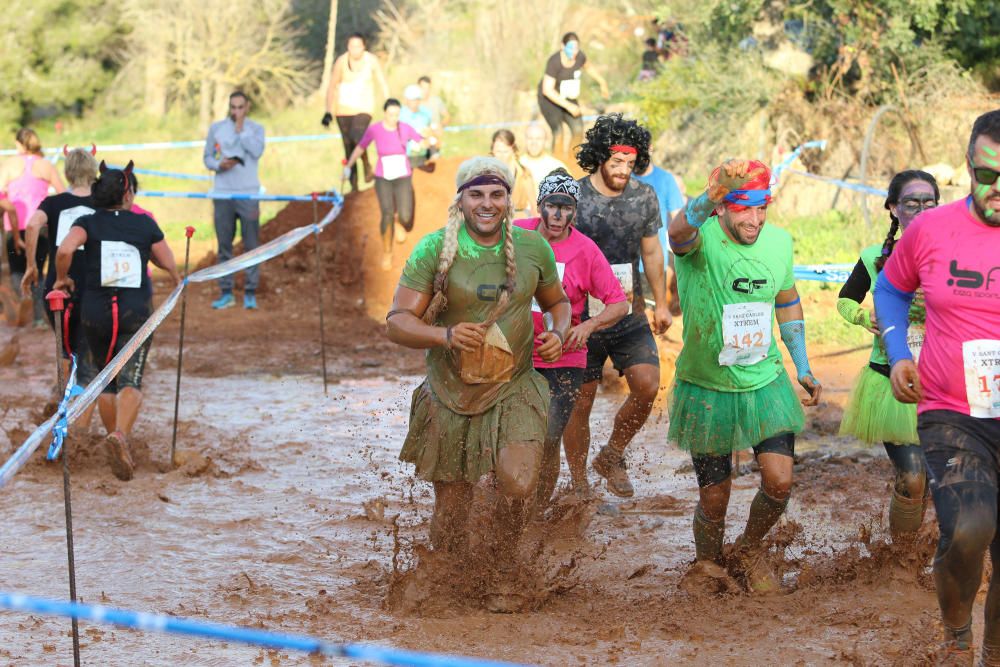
(873, 414)
(465, 296)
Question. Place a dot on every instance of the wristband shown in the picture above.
(793, 335)
(447, 335)
(699, 209)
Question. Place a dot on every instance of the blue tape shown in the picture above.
(856, 187)
(62, 424)
(167, 174)
(183, 626)
(824, 273)
(791, 157)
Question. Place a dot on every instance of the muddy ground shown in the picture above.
(293, 514)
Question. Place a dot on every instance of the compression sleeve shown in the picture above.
(892, 308)
(698, 210)
(793, 334)
(852, 311)
(858, 283)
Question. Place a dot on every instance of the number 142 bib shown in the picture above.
(746, 333)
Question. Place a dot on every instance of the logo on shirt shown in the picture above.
(488, 292)
(750, 276)
(970, 278)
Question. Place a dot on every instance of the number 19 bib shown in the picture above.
(981, 360)
(121, 265)
(746, 333)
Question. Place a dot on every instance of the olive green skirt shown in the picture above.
(705, 421)
(449, 447)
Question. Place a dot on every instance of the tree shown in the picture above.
(329, 53)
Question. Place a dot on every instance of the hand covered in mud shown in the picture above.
(732, 175)
(467, 336)
(905, 381)
(813, 387)
(550, 346)
(65, 284)
(579, 335)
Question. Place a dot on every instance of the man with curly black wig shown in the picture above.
(621, 215)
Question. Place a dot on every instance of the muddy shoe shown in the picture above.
(611, 466)
(954, 653)
(755, 571)
(119, 457)
(707, 578)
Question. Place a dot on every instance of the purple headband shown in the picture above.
(485, 179)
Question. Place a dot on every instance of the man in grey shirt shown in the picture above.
(232, 149)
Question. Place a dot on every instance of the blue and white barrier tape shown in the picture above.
(856, 187)
(62, 424)
(239, 196)
(824, 273)
(183, 626)
(258, 255)
(200, 143)
(167, 174)
(791, 157)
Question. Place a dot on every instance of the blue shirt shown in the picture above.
(669, 195)
(419, 120)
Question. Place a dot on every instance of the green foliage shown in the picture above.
(57, 55)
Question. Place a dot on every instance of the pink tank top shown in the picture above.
(26, 192)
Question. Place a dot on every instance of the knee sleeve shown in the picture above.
(518, 465)
(967, 514)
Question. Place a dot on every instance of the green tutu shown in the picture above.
(449, 447)
(705, 421)
(874, 415)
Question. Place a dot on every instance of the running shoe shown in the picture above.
(954, 653)
(119, 457)
(610, 465)
(755, 570)
(225, 301)
(250, 301)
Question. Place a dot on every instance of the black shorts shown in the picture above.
(959, 448)
(711, 469)
(99, 329)
(626, 348)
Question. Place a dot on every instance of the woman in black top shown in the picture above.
(559, 90)
(115, 301)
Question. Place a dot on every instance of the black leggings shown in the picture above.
(352, 128)
(564, 389)
(394, 197)
(555, 116)
(911, 471)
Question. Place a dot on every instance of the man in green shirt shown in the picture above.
(731, 390)
(465, 296)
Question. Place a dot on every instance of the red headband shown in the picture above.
(620, 148)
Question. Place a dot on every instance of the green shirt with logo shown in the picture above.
(727, 293)
(474, 283)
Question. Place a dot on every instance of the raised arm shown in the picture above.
(685, 226)
(252, 139)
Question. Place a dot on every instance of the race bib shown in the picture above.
(393, 167)
(746, 333)
(623, 272)
(121, 265)
(66, 220)
(915, 340)
(570, 88)
(561, 270)
(981, 360)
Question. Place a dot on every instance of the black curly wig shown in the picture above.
(608, 131)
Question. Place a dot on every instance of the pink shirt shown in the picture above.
(955, 259)
(583, 270)
(390, 143)
(26, 192)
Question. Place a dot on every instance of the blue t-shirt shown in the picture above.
(669, 195)
(419, 120)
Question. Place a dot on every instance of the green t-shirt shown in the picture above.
(474, 283)
(727, 290)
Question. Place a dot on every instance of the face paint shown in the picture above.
(557, 212)
(989, 151)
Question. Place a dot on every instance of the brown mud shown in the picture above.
(291, 512)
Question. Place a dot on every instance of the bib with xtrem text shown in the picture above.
(915, 340)
(393, 167)
(981, 361)
(121, 265)
(623, 272)
(561, 270)
(66, 220)
(746, 333)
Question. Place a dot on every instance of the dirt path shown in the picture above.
(283, 516)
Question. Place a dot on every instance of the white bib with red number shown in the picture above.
(981, 360)
(746, 333)
(121, 265)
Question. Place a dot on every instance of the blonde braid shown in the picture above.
(449, 247)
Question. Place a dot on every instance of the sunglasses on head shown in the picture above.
(985, 175)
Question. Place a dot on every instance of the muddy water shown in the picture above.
(266, 525)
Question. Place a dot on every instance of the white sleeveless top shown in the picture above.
(356, 93)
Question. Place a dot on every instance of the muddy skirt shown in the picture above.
(705, 421)
(873, 414)
(449, 447)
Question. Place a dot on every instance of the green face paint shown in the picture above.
(988, 151)
(989, 213)
(992, 163)
(981, 190)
